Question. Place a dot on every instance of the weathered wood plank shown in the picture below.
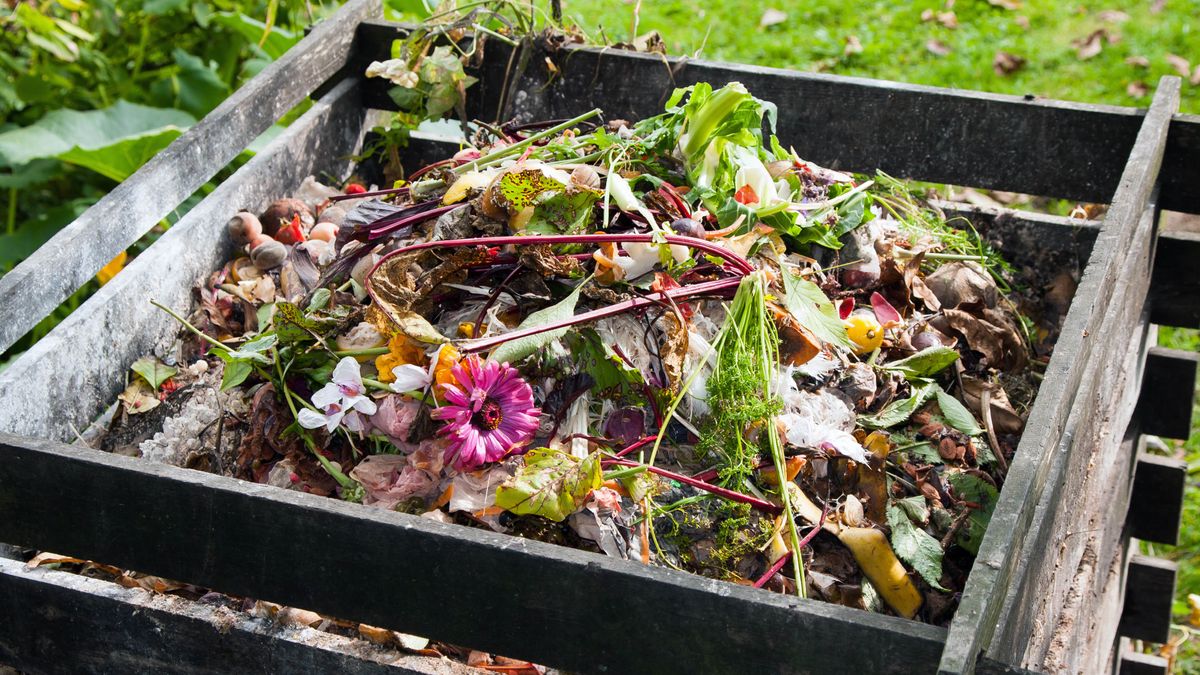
(1168, 391)
(1149, 592)
(73, 256)
(941, 135)
(1083, 339)
(1156, 506)
(526, 599)
(1137, 663)
(57, 622)
(89, 353)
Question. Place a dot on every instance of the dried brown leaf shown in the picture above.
(928, 15)
(853, 46)
(1005, 63)
(1137, 89)
(937, 47)
(1180, 65)
(1004, 418)
(1195, 78)
(1138, 61)
(1091, 45)
(1010, 5)
(1113, 16)
(1157, 6)
(948, 19)
(1022, 21)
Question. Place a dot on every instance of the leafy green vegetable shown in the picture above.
(236, 370)
(924, 363)
(515, 350)
(153, 371)
(552, 484)
(563, 212)
(916, 547)
(809, 305)
(612, 376)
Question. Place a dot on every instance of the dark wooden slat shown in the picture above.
(941, 135)
(1156, 506)
(1168, 391)
(1149, 592)
(1175, 290)
(1137, 663)
(1083, 339)
(73, 256)
(88, 354)
(526, 599)
(57, 622)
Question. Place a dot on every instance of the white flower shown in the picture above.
(410, 377)
(343, 395)
(395, 70)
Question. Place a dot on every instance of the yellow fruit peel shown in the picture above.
(884, 570)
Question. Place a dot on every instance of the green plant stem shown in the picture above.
(496, 156)
(11, 221)
(342, 479)
(189, 326)
(903, 252)
(371, 351)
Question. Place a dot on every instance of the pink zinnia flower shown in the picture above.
(489, 413)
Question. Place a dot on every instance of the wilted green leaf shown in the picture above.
(152, 370)
(925, 362)
(916, 547)
(552, 484)
(916, 508)
(515, 350)
(899, 411)
(956, 414)
(809, 305)
(236, 370)
(565, 212)
(977, 491)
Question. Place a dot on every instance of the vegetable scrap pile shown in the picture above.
(672, 341)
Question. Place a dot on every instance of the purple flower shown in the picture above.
(489, 413)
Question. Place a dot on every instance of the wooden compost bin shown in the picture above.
(1055, 586)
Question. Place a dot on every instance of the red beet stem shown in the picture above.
(731, 495)
(364, 195)
(775, 567)
(708, 287)
(636, 445)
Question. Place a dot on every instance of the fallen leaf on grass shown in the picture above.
(1010, 5)
(1138, 61)
(1180, 65)
(1137, 89)
(772, 17)
(948, 19)
(1195, 78)
(927, 15)
(1022, 21)
(937, 48)
(1113, 16)
(1157, 6)
(853, 46)
(1005, 63)
(1090, 46)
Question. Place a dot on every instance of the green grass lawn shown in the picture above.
(893, 39)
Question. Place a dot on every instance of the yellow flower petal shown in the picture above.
(110, 270)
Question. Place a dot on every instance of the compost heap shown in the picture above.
(625, 338)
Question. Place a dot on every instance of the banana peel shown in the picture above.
(873, 554)
(884, 570)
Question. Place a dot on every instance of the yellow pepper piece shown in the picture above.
(884, 570)
(865, 332)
